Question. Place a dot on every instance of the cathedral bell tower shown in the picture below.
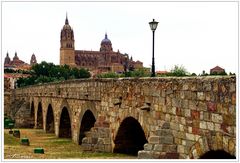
(67, 50)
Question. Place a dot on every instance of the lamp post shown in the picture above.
(153, 26)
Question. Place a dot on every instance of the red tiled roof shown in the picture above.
(217, 68)
(162, 72)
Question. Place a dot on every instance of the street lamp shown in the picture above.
(153, 26)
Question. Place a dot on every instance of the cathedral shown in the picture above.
(104, 60)
(16, 63)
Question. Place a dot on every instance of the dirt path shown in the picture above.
(54, 148)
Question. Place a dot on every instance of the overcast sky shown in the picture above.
(197, 35)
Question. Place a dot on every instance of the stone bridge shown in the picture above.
(190, 117)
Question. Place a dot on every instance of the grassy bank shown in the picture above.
(54, 148)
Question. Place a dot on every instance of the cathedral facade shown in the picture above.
(16, 63)
(104, 60)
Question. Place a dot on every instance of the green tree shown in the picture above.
(179, 71)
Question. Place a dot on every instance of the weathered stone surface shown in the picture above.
(203, 125)
(200, 96)
(181, 111)
(158, 147)
(153, 139)
(217, 118)
(163, 132)
(148, 147)
(145, 155)
(211, 106)
(166, 140)
(190, 136)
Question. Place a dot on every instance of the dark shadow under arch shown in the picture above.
(65, 124)
(50, 128)
(32, 116)
(218, 154)
(130, 137)
(87, 123)
(39, 116)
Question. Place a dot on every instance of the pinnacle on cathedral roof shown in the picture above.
(66, 20)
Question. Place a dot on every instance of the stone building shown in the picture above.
(104, 60)
(16, 63)
(217, 70)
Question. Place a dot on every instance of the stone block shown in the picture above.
(94, 140)
(86, 147)
(217, 127)
(155, 155)
(148, 147)
(200, 96)
(100, 141)
(211, 107)
(190, 136)
(185, 104)
(166, 125)
(206, 116)
(185, 86)
(85, 140)
(202, 106)
(187, 112)
(217, 118)
(106, 141)
(176, 102)
(107, 148)
(228, 119)
(195, 114)
(145, 155)
(158, 147)
(231, 146)
(174, 126)
(169, 148)
(164, 132)
(189, 143)
(207, 86)
(166, 140)
(180, 148)
(172, 155)
(210, 126)
(153, 139)
(192, 105)
(195, 131)
(203, 125)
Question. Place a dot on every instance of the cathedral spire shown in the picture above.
(106, 36)
(66, 21)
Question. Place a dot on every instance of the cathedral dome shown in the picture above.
(106, 40)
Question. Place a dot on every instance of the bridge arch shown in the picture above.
(87, 119)
(213, 147)
(65, 121)
(32, 115)
(87, 122)
(130, 137)
(50, 123)
(39, 124)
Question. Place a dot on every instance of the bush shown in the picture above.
(178, 71)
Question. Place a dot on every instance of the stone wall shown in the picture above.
(7, 102)
(180, 117)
